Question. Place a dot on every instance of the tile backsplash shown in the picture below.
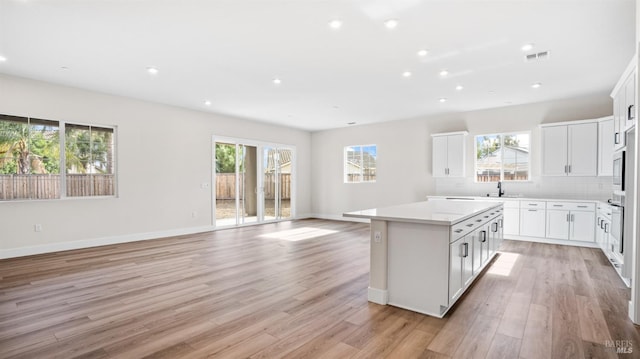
(587, 188)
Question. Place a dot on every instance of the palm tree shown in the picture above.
(14, 143)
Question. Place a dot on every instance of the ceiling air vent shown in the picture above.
(536, 57)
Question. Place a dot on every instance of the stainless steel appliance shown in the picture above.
(619, 171)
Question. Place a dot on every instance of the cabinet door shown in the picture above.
(512, 221)
(619, 103)
(598, 230)
(558, 224)
(532, 222)
(554, 151)
(630, 101)
(476, 238)
(456, 260)
(582, 226)
(467, 265)
(439, 152)
(455, 155)
(583, 149)
(605, 148)
(494, 236)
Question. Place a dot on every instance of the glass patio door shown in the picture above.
(277, 172)
(236, 183)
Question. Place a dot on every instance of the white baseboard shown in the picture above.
(378, 296)
(96, 242)
(552, 241)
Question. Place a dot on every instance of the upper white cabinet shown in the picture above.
(605, 146)
(570, 149)
(624, 104)
(448, 154)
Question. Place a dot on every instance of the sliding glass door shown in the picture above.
(277, 166)
(253, 182)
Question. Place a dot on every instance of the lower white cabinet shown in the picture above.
(511, 221)
(480, 239)
(461, 266)
(571, 221)
(532, 222)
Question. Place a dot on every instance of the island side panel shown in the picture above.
(418, 267)
(377, 292)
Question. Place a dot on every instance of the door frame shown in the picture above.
(260, 145)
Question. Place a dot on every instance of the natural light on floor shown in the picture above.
(503, 264)
(299, 234)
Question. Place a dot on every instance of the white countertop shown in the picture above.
(512, 198)
(427, 212)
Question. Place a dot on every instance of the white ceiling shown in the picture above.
(229, 51)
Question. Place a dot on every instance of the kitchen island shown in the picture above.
(424, 255)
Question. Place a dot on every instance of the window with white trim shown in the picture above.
(502, 157)
(33, 152)
(360, 163)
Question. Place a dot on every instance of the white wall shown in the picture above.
(164, 155)
(404, 155)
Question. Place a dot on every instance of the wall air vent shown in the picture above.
(544, 55)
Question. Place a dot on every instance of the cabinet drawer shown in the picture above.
(532, 204)
(572, 206)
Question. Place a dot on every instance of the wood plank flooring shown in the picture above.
(299, 290)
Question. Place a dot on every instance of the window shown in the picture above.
(33, 151)
(360, 164)
(502, 157)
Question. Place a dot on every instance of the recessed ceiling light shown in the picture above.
(442, 99)
(527, 47)
(277, 81)
(423, 52)
(391, 23)
(406, 74)
(459, 88)
(444, 72)
(152, 70)
(335, 24)
(2, 58)
(536, 85)
(207, 103)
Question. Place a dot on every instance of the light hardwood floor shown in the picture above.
(298, 290)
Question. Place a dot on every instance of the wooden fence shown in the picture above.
(226, 185)
(496, 178)
(47, 186)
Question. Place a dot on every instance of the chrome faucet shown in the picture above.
(500, 191)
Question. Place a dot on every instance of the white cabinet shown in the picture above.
(624, 104)
(460, 266)
(570, 149)
(605, 146)
(558, 224)
(571, 220)
(511, 222)
(532, 218)
(480, 244)
(448, 154)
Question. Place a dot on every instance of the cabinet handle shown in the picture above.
(495, 229)
(583, 206)
(501, 223)
(558, 205)
(533, 210)
(606, 228)
(568, 217)
(616, 138)
(630, 114)
(458, 230)
(602, 224)
(569, 168)
(533, 204)
(598, 221)
(572, 217)
(484, 236)
(466, 250)
(565, 169)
